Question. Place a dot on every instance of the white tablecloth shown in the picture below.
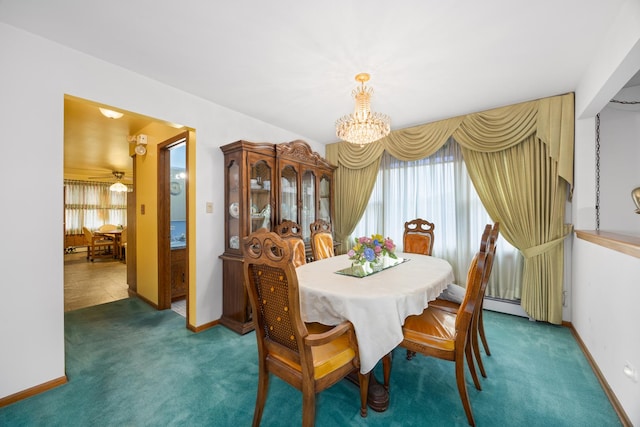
(377, 305)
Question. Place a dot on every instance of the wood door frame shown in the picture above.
(132, 230)
(164, 219)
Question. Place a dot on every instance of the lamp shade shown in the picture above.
(118, 187)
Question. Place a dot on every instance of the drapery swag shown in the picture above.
(520, 159)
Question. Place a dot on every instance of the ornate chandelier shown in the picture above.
(363, 127)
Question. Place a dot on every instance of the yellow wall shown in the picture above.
(147, 223)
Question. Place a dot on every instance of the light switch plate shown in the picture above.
(209, 207)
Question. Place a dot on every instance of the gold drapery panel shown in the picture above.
(357, 185)
(549, 121)
(520, 186)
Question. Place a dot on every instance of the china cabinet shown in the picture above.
(266, 184)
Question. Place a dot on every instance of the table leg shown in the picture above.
(378, 394)
(378, 398)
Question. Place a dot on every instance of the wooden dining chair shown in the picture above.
(451, 298)
(321, 240)
(445, 335)
(418, 239)
(309, 357)
(105, 228)
(418, 236)
(291, 232)
(97, 246)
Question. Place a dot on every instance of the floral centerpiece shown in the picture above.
(370, 253)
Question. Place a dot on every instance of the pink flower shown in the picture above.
(389, 244)
(351, 253)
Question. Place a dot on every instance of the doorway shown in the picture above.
(173, 225)
(96, 145)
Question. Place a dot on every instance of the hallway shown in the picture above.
(91, 283)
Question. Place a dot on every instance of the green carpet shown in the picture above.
(129, 365)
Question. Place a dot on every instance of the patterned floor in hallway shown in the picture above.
(104, 280)
(91, 283)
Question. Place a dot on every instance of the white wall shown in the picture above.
(619, 169)
(606, 316)
(605, 282)
(605, 290)
(36, 74)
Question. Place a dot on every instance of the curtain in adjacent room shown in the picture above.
(92, 204)
(550, 121)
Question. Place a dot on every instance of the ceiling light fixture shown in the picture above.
(110, 113)
(118, 186)
(363, 127)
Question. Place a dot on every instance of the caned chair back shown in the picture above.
(284, 341)
(321, 240)
(292, 232)
(418, 236)
(273, 291)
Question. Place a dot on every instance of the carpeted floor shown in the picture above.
(129, 365)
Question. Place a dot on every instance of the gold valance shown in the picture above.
(550, 119)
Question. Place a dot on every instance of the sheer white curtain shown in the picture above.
(438, 189)
(91, 204)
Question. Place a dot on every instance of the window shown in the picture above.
(438, 189)
(91, 204)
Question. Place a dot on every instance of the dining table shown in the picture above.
(114, 235)
(377, 304)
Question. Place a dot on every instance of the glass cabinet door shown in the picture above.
(260, 196)
(308, 203)
(233, 210)
(325, 198)
(289, 194)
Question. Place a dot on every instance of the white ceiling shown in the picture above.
(292, 63)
